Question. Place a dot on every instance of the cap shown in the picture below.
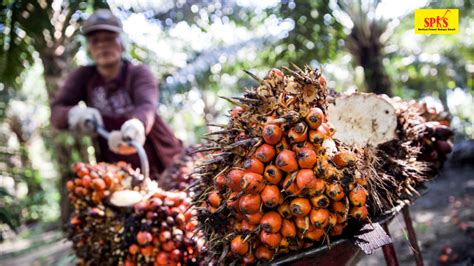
(102, 19)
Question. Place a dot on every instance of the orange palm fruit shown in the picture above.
(286, 161)
(271, 222)
(78, 182)
(97, 196)
(215, 199)
(133, 249)
(254, 165)
(290, 186)
(249, 258)
(254, 218)
(320, 201)
(358, 196)
(127, 262)
(233, 179)
(320, 168)
(303, 145)
(87, 181)
(317, 136)
(252, 183)
(338, 207)
(341, 218)
(362, 181)
(272, 134)
(284, 210)
(284, 244)
(273, 174)
(305, 178)
(247, 227)
(165, 236)
(314, 234)
(250, 203)
(70, 185)
(75, 220)
(82, 171)
(316, 187)
(306, 158)
(335, 191)
(315, 117)
(359, 213)
(344, 159)
(147, 251)
(271, 240)
(239, 246)
(162, 258)
(319, 218)
(322, 81)
(332, 220)
(330, 128)
(288, 228)
(211, 209)
(219, 181)
(300, 207)
(236, 111)
(296, 147)
(264, 253)
(336, 230)
(265, 153)
(282, 145)
(271, 196)
(98, 184)
(232, 201)
(298, 133)
(168, 246)
(303, 223)
(109, 179)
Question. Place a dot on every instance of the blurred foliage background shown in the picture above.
(198, 51)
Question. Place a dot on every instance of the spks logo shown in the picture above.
(436, 21)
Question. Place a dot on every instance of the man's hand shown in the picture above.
(132, 130)
(117, 145)
(77, 117)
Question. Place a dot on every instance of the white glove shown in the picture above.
(117, 145)
(78, 115)
(133, 129)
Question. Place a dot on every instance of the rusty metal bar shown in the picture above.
(389, 251)
(412, 236)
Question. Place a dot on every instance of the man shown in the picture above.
(120, 96)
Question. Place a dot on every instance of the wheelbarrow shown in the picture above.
(127, 198)
(346, 251)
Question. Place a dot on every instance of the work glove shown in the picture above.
(132, 130)
(78, 117)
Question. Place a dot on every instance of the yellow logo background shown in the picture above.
(436, 21)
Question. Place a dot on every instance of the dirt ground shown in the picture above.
(443, 220)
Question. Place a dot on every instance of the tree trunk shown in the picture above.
(376, 80)
(68, 150)
(366, 48)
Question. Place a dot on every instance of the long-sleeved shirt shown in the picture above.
(133, 94)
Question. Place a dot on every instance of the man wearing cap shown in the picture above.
(120, 96)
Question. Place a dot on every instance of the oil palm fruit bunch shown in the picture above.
(420, 148)
(433, 132)
(275, 180)
(157, 229)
